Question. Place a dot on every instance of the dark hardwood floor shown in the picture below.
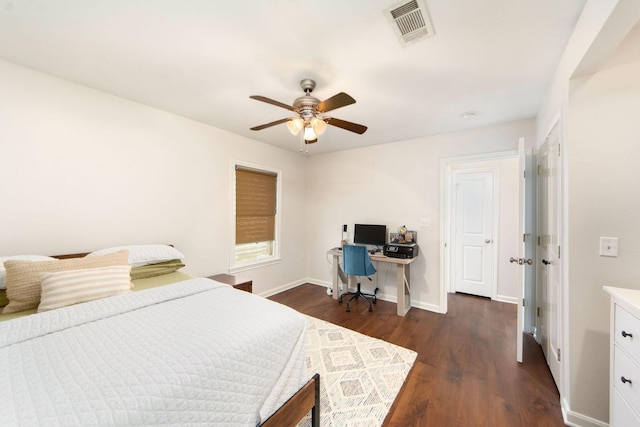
(465, 372)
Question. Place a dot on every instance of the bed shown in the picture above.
(179, 350)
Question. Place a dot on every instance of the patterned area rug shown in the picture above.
(360, 376)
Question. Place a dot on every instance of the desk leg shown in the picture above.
(403, 284)
(336, 272)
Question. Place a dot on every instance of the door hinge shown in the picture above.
(538, 240)
(539, 169)
(558, 150)
(558, 355)
(537, 311)
(523, 303)
(558, 252)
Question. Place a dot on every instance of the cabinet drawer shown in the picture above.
(629, 324)
(625, 367)
(621, 414)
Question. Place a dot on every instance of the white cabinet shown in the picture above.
(625, 357)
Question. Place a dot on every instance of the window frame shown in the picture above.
(262, 261)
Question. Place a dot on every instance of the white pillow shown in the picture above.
(140, 255)
(21, 258)
(69, 287)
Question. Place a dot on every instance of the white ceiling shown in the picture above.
(202, 59)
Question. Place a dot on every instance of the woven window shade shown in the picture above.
(255, 206)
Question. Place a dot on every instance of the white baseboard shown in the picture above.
(503, 298)
(283, 288)
(575, 419)
(320, 283)
(429, 307)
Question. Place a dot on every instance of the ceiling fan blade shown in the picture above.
(350, 126)
(266, 125)
(336, 101)
(271, 101)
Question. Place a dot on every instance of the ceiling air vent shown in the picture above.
(410, 21)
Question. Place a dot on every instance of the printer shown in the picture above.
(401, 250)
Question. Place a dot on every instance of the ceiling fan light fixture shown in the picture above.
(295, 125)
(318, 125)
(309, 134)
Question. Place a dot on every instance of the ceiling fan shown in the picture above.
(311, 112)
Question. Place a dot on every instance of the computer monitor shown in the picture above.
(369, 234)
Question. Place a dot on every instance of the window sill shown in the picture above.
(253, 265)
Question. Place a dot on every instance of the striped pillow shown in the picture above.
(69, 287)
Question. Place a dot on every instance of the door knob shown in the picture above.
(545, 262)
(512, 259)
(487, 240)
(527, 261)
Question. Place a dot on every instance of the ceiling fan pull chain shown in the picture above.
(302, 143)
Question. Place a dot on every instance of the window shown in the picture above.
(256, 216)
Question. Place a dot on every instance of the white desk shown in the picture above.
(403, 277)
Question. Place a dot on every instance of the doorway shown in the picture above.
(512, 233)
(474, 217)
(481, 224)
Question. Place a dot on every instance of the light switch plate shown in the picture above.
(609, 246)
(425, 223)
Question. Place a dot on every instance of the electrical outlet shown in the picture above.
(425, 223)
(609, 246)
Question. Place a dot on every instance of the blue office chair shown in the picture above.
(356, 262)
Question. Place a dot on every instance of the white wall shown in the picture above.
(603, 201)
(394, 184)
(592, 19)
(81, 170)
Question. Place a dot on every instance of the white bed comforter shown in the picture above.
(195, 352)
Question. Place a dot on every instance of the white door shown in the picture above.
(542, 335)
(474, 227)
(549, 322)
(524, 259)
(522, 223)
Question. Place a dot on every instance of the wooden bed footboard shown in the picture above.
(306, 399)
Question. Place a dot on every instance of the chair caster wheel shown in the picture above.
(374, 301)
(370, 309)
(348, 310)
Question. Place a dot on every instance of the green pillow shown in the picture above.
(157, 269)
